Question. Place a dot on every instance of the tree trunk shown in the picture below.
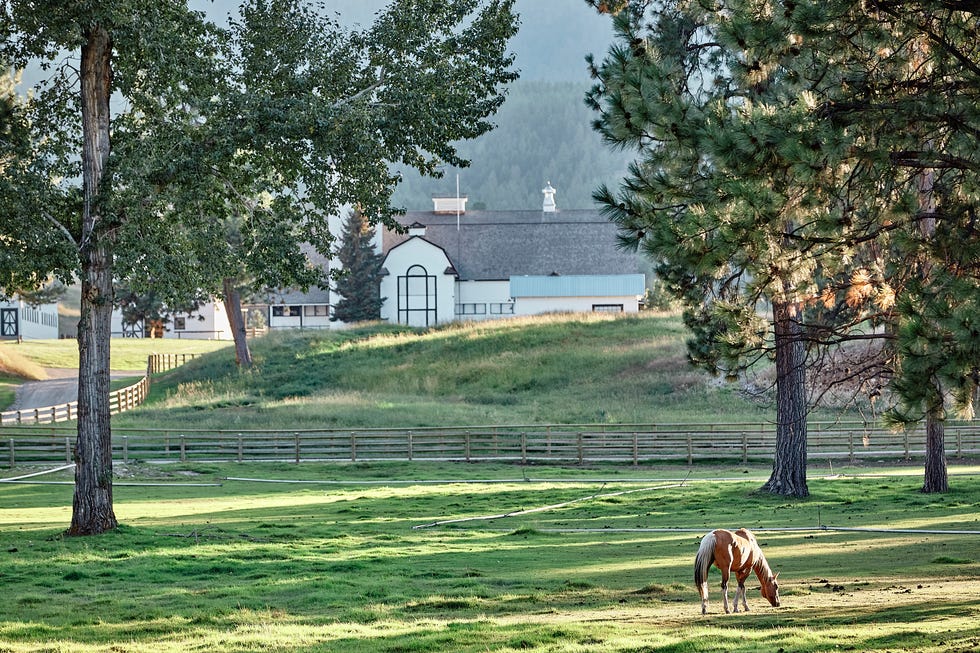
(936, 478)
(92, 511)
(233, 308)
(788, 476)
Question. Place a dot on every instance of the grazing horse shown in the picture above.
(733, 552)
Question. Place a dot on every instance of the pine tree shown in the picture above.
(359, 283)
(817, 157)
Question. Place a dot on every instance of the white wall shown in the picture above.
(214, 326)
(483, 300)
(35, 322)
(417, 251)
(538, 305)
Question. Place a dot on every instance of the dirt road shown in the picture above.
(60, 388)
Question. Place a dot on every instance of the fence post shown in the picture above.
(411, 445)
(636, 449)
(467, 439)
(125, 440)
(523, 447)
(353, 446)
(959, 443)
(241, 447)
(745, 448)
(690, 449)
(296, 435)
(183, 449)
(581, 449)
(13, 458)
(906, 444)
(850, 446)
(67, 450)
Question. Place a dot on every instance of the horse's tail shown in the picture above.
(704, 558)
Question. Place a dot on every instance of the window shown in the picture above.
(286, 311)
(506, 308)
(417, 304)
(315, 310)
(607, 308)
(180, 323)
(471, 309)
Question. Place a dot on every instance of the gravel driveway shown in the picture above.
(60, 388)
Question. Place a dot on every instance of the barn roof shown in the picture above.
(496, 245)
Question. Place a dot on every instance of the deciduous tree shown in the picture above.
(158, 137)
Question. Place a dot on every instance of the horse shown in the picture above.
(733, 552)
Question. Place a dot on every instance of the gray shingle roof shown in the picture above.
(495, 245)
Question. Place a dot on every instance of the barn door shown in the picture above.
(9, 326)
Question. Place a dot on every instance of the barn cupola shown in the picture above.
(449, 205)
(549, 205)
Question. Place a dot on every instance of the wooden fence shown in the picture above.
(119, 400)
(567, 444)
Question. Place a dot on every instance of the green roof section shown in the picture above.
(606, 285)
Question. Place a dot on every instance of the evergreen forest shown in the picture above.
(543, 134)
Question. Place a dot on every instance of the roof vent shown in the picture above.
(549, 199)
(449, 205)
(416, 229)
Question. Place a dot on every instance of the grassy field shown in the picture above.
(337, 564)
(556, 369)
(127, 353)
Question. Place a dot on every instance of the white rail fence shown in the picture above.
(119, 400)
(568, 444)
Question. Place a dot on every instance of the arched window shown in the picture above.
(417, 297)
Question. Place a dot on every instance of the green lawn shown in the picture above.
(126, 353)
(337, 565)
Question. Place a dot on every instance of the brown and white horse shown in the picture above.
(736, 552)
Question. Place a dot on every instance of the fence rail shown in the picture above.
(576, 444)
(119, 400)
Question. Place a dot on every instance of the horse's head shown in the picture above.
(770, 590)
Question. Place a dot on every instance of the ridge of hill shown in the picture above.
(554, 369)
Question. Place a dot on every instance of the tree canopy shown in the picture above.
(792, 158)
(165, 150)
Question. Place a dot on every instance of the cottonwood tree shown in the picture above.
(225, 146)
(306, 121)
(60, 215)
(359, 284)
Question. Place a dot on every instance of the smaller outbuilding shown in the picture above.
(22, 321)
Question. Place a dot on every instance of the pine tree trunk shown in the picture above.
(788, 476)
(92, 511)
(936, 478)
(233, 309)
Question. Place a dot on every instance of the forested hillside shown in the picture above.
(544, 134)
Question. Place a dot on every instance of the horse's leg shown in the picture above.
(740, 577)
(703, 590)
(725, 572)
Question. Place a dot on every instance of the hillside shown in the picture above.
(556, 369)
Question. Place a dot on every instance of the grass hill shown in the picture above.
(554, 369)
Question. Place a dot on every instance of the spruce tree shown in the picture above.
(359, 280)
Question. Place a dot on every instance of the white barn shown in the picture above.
(20, 320)
(208, 322)
(454, 264)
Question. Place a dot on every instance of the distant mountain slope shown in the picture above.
(543, 134)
